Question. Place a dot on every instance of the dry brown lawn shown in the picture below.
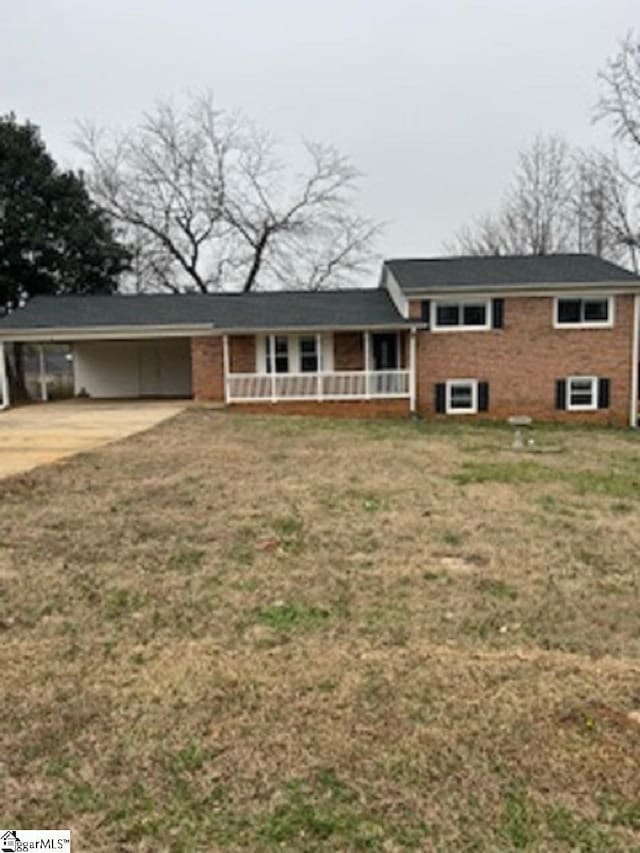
(249, 633)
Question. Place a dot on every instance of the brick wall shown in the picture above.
(329, 408)
(523, 360)
(242, 354)
(207, 369)
(348, 351)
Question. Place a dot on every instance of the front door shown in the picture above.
(385, 351)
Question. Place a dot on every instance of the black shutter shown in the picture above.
(498, 313)
(483, 396)
(441, 398)
(426, 311)
(561, 394)
(604, 391)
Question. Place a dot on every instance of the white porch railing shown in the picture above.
(341, 385)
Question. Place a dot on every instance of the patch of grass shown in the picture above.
(497, 588)
(120, 602)
(324, 813)
(584, 482)
(289, 616)
(242, 550)
(576, 833)
(290, 530)
(519, 821)
(621, 507)
(451, 537)
(186, 560)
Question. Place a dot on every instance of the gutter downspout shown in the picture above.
(633, 412)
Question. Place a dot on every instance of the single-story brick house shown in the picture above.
(554, 337)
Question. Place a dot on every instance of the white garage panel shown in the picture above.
(160, 368)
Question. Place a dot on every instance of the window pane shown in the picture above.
(569, 310)
(461, 397)
(281, 355)
(474, 315)
(308, 355)
(596, 310)
(447, 315)
(581, 392)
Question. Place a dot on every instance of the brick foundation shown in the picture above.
(329, 408)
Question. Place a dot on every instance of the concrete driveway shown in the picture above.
(40, 433)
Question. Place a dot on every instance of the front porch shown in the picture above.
(337, 366)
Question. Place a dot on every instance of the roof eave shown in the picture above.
(96, 333)
(532, 288)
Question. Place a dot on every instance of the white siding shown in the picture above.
(156, 368)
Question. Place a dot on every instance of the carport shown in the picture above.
(121, 352)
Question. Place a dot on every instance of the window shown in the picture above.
(277, 354)
(582, 393)
(462, 397)
(291, 354)
(460, 316)
(587, 311)
(309, 354)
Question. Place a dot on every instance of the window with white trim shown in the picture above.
(277, 354)
(461, 397)
(460, 316)
(293, 353)
(308, 348)
(583, 311)
(582, 393)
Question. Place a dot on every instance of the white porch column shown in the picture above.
(635, 354)
(44, 393)
(412, 370)
(367, 364)
(225, 366)
(4, 381)
(272, 344)
(320, 378)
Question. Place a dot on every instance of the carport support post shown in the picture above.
(44, 394)
(4, 381)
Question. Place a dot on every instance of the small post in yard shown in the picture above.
(4, 381)
(44, 392)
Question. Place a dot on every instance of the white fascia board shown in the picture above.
(105, 333)
(302, 330)
(545, 289)
(394, 290)
(109, 333)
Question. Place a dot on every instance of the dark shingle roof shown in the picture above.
(273, 310)
(423, 274)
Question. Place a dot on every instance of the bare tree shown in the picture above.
(535, 215)
(619, 104)
(561, 201)
(210, 205)
(604, 208)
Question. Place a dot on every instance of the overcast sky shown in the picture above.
(432, 99)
